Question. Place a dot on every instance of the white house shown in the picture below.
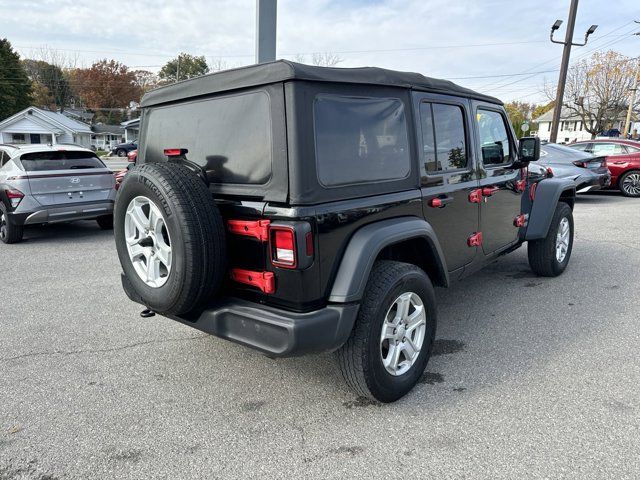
(34, 125)
(571, 127)
(105, 137)
(131, 130)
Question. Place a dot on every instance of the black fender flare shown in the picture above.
(364, 247)
(547, 195)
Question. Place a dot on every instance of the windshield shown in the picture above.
(60, 160)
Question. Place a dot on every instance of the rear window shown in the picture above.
(230, 137)
(360, 140)
(44, 161)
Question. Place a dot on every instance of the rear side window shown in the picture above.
(608, 149)
(44, 161)
(444, 146)
(360, 140)
(230, 137)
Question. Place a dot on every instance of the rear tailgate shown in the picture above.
(60, 177)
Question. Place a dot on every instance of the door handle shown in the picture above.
(440, 202)
(488, 191)
(619, 162)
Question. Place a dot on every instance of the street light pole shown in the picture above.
(266, 19)
(632, 101)
(564, 67)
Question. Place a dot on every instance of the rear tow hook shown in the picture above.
(147, 312)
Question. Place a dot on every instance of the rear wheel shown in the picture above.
(630, 184)
(549, 256)
(170, 238)
(9, 233)
(391, 341)
(105, 222)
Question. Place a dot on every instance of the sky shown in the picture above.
(498, 47)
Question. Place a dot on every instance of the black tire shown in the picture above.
(121, 152)
(360, 358)
(542, 253)
(9, 232)
(634, 191)
(196, 230)
(105, 222)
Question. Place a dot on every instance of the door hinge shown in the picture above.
(521, 185)
(475, 196)
(475, 240)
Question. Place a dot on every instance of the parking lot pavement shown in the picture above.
(115, 163)
(531, 378)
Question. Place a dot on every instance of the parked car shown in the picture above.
(623, 161)
(122, 149)
(587, 171)
(313, 211)
(46, 184)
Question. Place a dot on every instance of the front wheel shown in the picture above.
(549, 256)
(121, 153)
(391, 341)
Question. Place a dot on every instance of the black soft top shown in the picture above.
(284, 70)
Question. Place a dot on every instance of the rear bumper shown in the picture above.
(596, 183)
(273, 331)
(66, 213)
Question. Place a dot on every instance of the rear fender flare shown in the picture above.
(365, 246)
(548, 194)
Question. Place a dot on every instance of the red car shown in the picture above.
(623, 161)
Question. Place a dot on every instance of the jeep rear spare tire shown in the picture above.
(170, 237)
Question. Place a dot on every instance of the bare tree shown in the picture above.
(218, 64)
(597, 90)
(325, 59)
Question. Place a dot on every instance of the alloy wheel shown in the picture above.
(562, 239)
(148, 241)
(3, 226)
(631, 184)
(403, 332)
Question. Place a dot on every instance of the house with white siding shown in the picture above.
(572, 128)
(34, 125)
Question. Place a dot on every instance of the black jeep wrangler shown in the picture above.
(298, 209)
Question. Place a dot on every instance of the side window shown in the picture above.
(3, 158)
(579, 146)
(360, 140)
(494, 139)
(631, 149)
(608, 149)
(444, 145)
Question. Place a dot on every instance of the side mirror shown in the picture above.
(528, 151)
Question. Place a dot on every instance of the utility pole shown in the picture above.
(633, 96)
(564, 67)
(178, 70)
(266, 19)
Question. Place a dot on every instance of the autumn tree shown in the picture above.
(51, 84)
(15, 87)
(145, 80)
(597, 90)
(519, 113)
(182, 67)
(107, 87)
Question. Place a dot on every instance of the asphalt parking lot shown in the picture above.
(531, 378)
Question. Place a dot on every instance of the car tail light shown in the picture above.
(549, 172)
(283, 247)
(577, 163)
(15, 197)
(175, 152)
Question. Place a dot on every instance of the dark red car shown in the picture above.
(623, 161)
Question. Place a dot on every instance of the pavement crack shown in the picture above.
(100, 350)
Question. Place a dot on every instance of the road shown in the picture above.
(531, 378)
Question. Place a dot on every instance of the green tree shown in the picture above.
(53, 79)
(519, 113)
(15, 86)
(182, 67)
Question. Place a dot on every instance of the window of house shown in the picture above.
(549, 127)
(18, 138)
(494, 138)
(360, 140)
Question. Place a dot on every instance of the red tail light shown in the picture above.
(581, 164)
(15, 197)
(175, 152)
(283, 247)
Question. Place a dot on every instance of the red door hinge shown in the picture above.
(251, 228)
(475, 196)
(265, 281)
(475, 240)
(521, 185)
(489, 191)
(520, 221)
